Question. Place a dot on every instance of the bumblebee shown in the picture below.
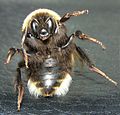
(48, 54)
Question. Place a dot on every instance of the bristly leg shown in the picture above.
(25, 55)
(95, 69)
(13, 51)
(20, 96)
(67, 16)
(91, 65)
(83, 36)
(25, 58)
(10, 54)
(18, 81)
(18, 85)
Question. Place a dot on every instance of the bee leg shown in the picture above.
(25, 56)
(83, 56)
(96, 70)
(20, 96)
(91, 66)
(10, 54)
(74, 13)
(18, 84)
(83, 36)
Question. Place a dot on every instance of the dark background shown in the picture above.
(89, 94)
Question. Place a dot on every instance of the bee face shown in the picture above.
(41, 24)
(42, 27)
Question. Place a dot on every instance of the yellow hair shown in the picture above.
(39, 12)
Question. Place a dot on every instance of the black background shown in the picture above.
(89, 94)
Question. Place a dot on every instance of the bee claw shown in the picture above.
(18, 110)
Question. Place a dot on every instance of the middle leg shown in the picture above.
(83, 36)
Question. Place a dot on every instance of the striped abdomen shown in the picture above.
(53, 80)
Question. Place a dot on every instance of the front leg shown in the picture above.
(18, 85)
(67, 16)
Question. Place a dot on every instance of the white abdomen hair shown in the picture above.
(59, 91)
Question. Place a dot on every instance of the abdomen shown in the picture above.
(52, 79)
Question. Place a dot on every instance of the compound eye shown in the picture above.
(49, 22)
(34, 26)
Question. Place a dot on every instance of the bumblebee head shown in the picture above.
(41, 24)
